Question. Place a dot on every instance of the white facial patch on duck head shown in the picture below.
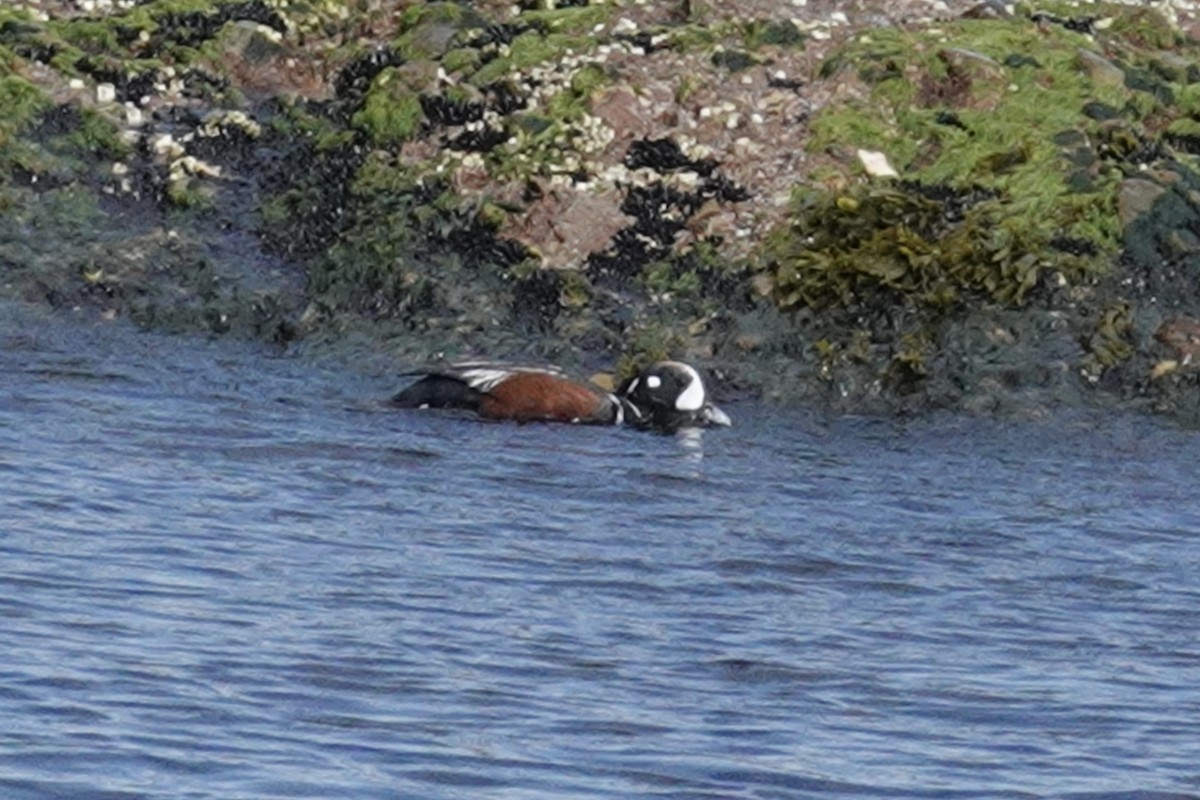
(654, 381)
(692, 398)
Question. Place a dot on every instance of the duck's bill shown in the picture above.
(715, 416)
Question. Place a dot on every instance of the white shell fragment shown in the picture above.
(876, 164)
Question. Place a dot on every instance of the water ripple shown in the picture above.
(224, 575)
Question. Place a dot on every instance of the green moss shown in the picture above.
(300, 123)
(772, 33)
(573, 102)
(859, 124)
(663, 279)
(420, 14)
(686, 87)
(391, 112)
(99, 136)
(190, 193)
(533, 48)
(162, 15)
(874, 57)
(556, 140)
(576, 290)
(537, 148)
(431, 30)
(131, 41)
(572, 20)
(588, 80)
(1144, 27)
(65, 61)
(528, 50)
(22, 103)
(1183, 135)
(461, 94)
(1188, 100)
(461, 60)
(880, 247)
(15, 21)
(947, 108)
(90, 36)
(690, 38)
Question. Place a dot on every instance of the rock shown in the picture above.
(622, 111)
(1135, 198)
(565, 230)
(1102, 71)
(989, 9)
(965, 61)
(251, 41)
(256, 59)
(1181, 334)
(1182, 243)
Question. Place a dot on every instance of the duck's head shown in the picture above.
(667, 396)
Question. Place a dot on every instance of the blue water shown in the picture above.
(226, 574)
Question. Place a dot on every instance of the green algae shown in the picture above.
(91, 36)
(98, 136)
(757, 34)
(882, 247)
(1012, 139)
(22, 102)
(961, 107)
(429, 30)
(526, 51)
(1143, 27)
(190, 193)
(575, 20)
(461, 60)
(1110, 342)
(391, 111)
(955, 114)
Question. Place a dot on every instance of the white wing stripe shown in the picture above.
(484, 380)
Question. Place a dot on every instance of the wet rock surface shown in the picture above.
(601, 184)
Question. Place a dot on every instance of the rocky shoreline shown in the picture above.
(864, 207)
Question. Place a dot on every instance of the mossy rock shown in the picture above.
(1007, 107)
(391, 111)
(927, 248)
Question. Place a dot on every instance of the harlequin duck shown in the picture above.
(665, 396)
